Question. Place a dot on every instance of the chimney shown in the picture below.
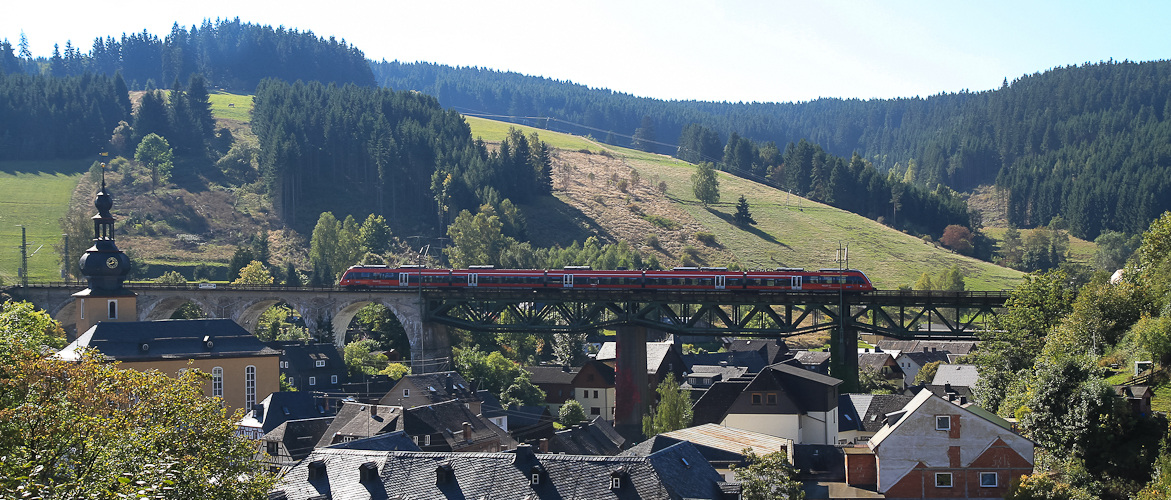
(524, 452)
(544, 445)
(475, 406)
(467, 431)
(373, 410)
(963, 400)
(448, 384)
(947, 388)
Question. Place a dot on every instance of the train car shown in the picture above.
(579, 277)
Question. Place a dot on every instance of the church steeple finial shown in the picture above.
(103, 264)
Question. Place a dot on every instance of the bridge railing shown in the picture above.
(147, 285)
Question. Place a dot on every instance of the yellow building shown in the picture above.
(244, 371)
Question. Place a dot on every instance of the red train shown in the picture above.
(679, 278)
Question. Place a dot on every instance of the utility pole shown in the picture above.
(65, 259)
(23, 258)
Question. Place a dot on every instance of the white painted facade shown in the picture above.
(810, 428)
(915, 439)
(604, 402)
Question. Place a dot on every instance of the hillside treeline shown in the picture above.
(228, 53)
(363, 150)
(1073, 141)
(44, 117)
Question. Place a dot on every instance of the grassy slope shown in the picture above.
(790, 231)
(35, 195)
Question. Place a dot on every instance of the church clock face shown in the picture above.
(112, 262)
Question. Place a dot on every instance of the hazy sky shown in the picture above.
(723, 50)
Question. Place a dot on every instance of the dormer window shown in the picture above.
(756, 398)
(406, 393)
(367, 472)
(943, 422)
(443, 474)
(616, 479)
(321, 363)
(536, 479)
(535, 474)
(316, 469)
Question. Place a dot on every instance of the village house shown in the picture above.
(782, 400)
(932, 448)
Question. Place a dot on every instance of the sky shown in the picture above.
(718, 50)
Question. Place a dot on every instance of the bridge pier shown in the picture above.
(631, 387)
(843, 354)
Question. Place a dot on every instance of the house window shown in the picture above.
(756, 397)
(585, 394)
(943, 480)
(312, 380)
(943, 422)
(113, 309)
(536, 479)
(321, 363)
(249, 387)
(615, 483)
(595, 394)
(217, 382)
(406, 393)
(427, 440)
(333, 379)
(594, 410)
(771, 399)
(272, 448)
(292, 381)
(988, 480)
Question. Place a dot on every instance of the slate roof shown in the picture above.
(303, 358)
(774, 350)
(169, 339)
(676, 472)
(753, 361)
(357, 420)
(961, 347)
(723, 372)
(447, 418)
(656, 352)
(923, 358)
(597, 437)
(552, 374)
(713, 405)
(1133, 391)
(956, 376)
(874, 361)
(865, 412)
(299, 436)
(391, 441)
(812, 357)
(435, 387)
(279, 407)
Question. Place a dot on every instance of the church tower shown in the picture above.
(105, 268)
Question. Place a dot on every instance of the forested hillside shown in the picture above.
(1074, 141)
(365, 150)
(228, 53)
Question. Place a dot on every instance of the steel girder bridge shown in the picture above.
(900, 314)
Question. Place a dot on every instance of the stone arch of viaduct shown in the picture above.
(429, 341)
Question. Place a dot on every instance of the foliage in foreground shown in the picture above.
(87, 429)
(769, 476)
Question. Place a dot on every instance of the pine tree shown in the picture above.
(743, 217)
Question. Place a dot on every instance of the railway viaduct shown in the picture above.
(245, 304)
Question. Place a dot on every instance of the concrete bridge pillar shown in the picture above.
(631, 386)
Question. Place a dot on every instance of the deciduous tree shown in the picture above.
(704, 184)
(156, 154)
(673, 411)
(768, 477)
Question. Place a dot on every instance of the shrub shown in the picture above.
(662, 187)
(622, 185)
(690, 251)
(635, 208)
(653, 240)
(598, 198)
(662, 222)
(708, 239)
